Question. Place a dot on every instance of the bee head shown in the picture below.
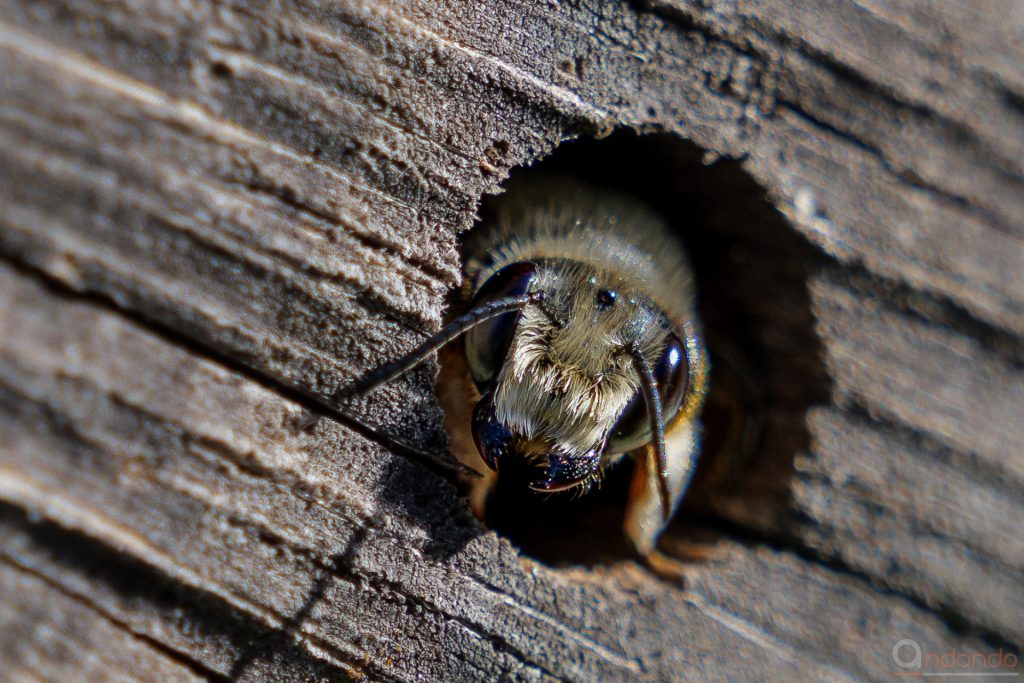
(560, 390)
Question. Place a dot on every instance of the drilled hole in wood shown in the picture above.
(752, 271)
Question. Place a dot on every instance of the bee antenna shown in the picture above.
(460, 325)
(652, 398)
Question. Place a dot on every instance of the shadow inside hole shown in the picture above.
(752, 271)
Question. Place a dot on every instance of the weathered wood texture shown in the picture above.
(213, 213)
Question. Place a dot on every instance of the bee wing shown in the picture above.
(645, 519)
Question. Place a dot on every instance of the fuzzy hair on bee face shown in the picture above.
(569, 373)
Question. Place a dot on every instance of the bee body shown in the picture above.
(554, 388)
(580, 344)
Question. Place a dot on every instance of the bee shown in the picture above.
(580, 346)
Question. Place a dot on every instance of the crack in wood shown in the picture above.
(194, 665)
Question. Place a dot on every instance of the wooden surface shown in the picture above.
(213, 214)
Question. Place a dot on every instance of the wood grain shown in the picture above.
(212, 215)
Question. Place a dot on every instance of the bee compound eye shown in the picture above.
(632, 429)
(492, 438)
(672, 374)
(487, 344)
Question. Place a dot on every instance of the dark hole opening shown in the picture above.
(752, 272)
